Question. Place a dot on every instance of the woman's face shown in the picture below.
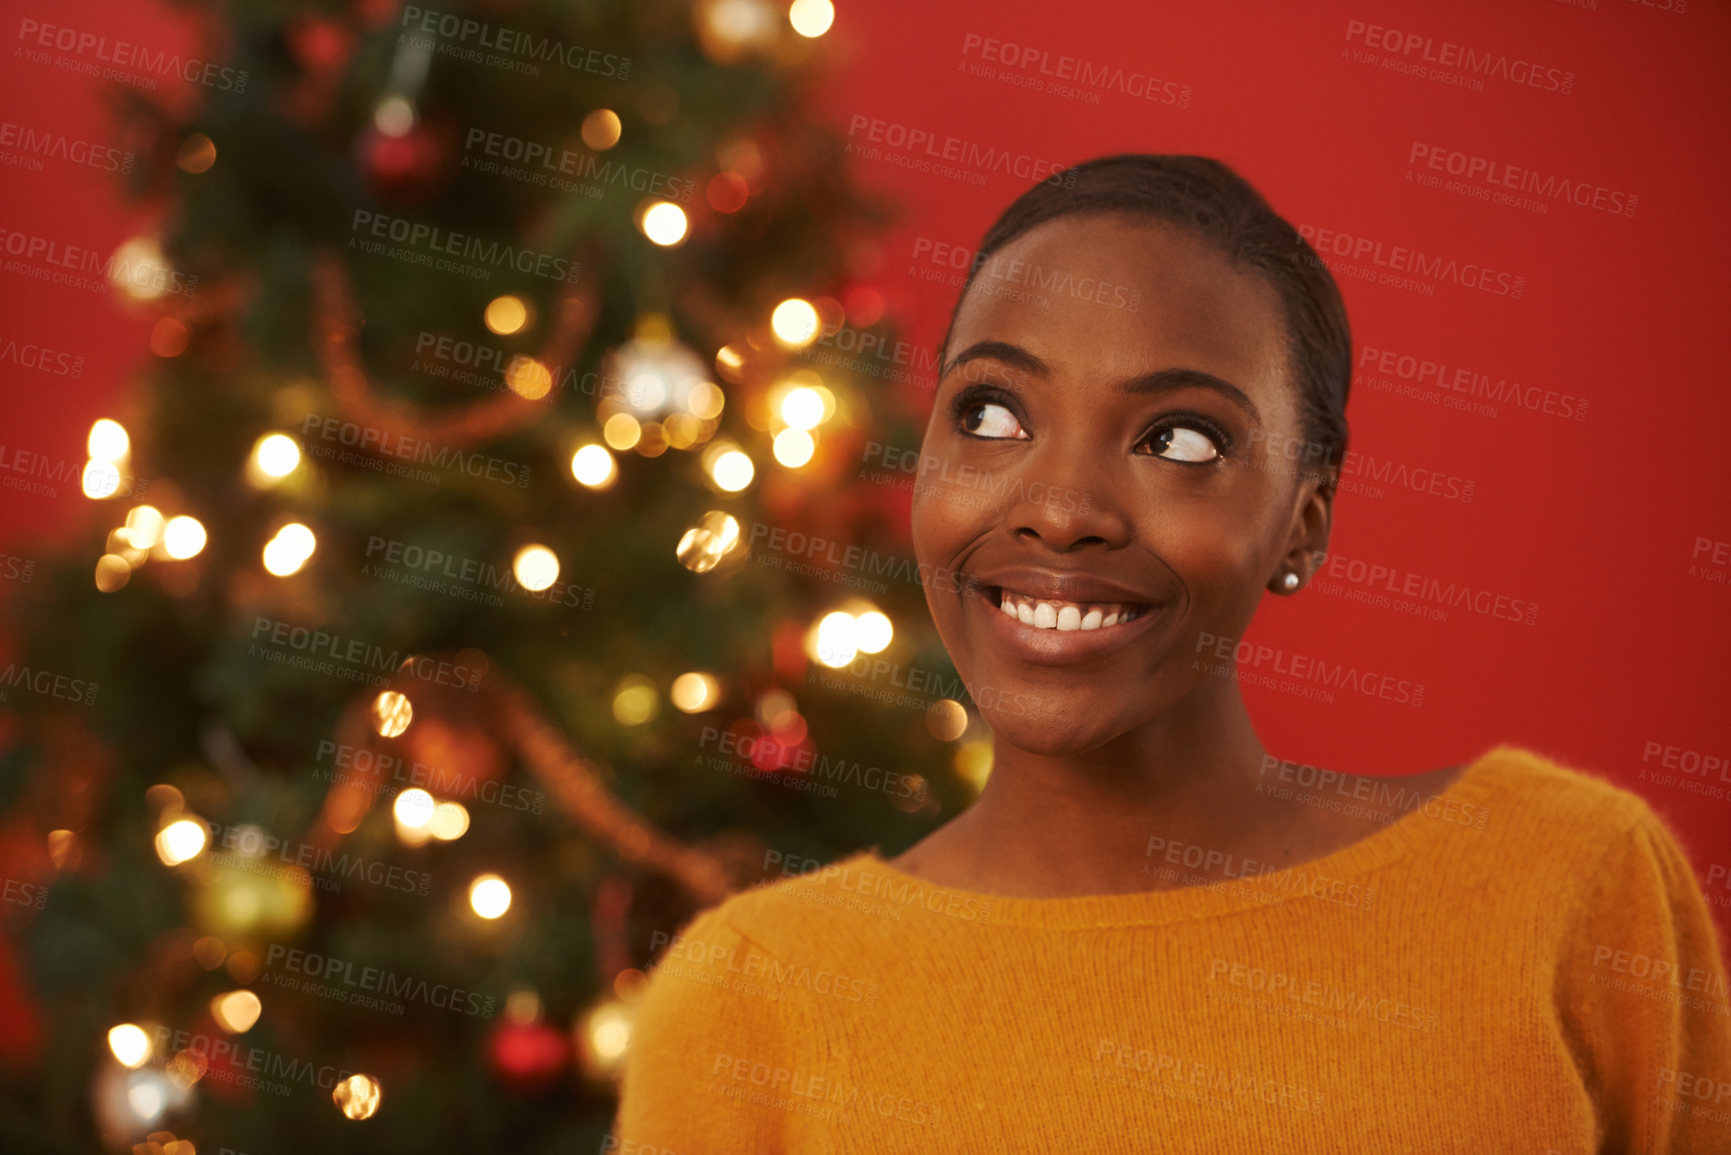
(1108, 436)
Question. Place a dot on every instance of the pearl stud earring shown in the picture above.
(1290, 581)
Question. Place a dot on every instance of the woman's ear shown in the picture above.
(1307, 543)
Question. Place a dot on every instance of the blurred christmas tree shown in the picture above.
(432, 577)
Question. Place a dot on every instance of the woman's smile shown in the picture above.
(1063, 642)
(1055, 617)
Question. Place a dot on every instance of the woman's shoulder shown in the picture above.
(1572, 793)
(1568, 810)
(807, 907)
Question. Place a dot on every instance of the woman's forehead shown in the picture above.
(1122, 295)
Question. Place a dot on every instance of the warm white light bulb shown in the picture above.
(277, 454)
(489, 896)
(794, 322)
(536, 567)
(664, 223)
(108, 441)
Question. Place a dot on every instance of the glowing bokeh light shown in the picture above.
(276, 455)
(593, 466)
(394, 116)
(112, 572)
(835, 639)
(392, 713)
(732, 471)
(108, 441)
(358, 1096)
(528, 378)
(873, 631)
(144, 525)
(414, 808)
(450, 821)
(536, 567)
(489, 896)
(664, 223)
(635, 702)
(237, 1011)
(101, 479)
(811, 18)
(288, 552)
(622, 431)
(802, 408)
(694, 692)
(180, 841)
(705, 544)
(506, 315)
(196, 154)
(794, 447)
(601, 129)
(794, 323)
(130, 1045)
(183, 537)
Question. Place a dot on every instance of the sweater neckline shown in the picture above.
(1462, 806)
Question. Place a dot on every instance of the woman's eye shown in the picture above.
(974, 421)
(1185, 443)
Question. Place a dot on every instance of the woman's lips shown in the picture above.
(1061, 646)
(1062, 614)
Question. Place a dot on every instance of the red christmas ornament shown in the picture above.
(405, 169)
(374, 13)
(527, 1054)
(320, 46)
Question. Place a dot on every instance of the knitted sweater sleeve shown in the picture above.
(699, 1076)
(1642, 997)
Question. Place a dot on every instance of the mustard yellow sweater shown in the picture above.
(1524, 963)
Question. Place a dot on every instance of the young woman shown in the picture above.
(1148, 933)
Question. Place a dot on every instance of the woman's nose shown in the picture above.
(1066, 499)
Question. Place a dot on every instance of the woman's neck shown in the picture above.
(1055, 826)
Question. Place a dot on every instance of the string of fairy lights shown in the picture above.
(662, 403)
(665, 404)
(667, 399)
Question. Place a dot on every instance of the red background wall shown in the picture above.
(1597, 521)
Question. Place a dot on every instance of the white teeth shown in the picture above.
(1045, 615)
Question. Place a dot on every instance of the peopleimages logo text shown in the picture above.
(147, 275)
(242, 846)
(1401, 259)
(311, 644)
(124, 54)
(433, 239)
(389, 444)
(345, 978)
(59, 146)
(48, 684)
(1581, 193)
(941, 147)
(1447, 54)
(583, 164)
(41, 358)
(514, 42)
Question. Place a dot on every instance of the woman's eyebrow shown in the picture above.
(1012, 355)
(1162, 380)
(1159, 381)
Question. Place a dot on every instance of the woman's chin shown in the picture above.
(1049, 736)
